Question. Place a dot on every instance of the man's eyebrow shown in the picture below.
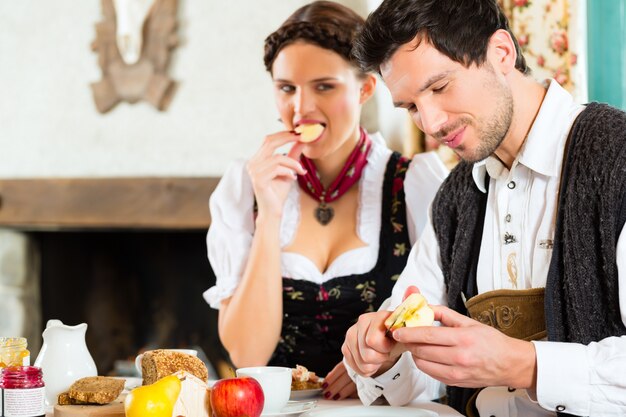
(432, 80)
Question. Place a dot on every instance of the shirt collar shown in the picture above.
(544, 140)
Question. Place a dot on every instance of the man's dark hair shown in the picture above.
(459, 29)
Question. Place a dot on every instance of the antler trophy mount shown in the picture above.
(134, 41)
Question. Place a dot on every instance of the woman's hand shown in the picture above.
(338, 385)
(272, 174)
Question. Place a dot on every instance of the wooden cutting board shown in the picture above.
(115, 409)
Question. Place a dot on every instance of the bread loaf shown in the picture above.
(95, 390)
(65, 399)
(160, 363)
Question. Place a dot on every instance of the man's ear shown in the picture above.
(501, 51)
(368, 87)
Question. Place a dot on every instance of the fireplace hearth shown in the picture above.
(136, 290)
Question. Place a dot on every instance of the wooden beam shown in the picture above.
(117, 203)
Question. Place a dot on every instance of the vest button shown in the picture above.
(560, 408)
(511, 185)
(507, 218)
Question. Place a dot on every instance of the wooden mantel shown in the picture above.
(106, 203)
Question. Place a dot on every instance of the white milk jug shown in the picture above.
(64, 358)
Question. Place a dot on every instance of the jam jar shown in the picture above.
(22, 392)
(13, 352)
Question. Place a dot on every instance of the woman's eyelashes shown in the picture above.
(324, 87)
(286, 88)
(290, 89)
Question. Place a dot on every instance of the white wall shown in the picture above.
(222, 109)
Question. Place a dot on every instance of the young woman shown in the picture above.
(303, 243)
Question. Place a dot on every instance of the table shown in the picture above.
(323, 404)
(442, 410)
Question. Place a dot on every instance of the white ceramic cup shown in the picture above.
(139, 357)
(275, 382)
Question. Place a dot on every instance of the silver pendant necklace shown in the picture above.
(324, 213)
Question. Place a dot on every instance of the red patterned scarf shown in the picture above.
(349, 175)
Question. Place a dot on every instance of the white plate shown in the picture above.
(305, 394)
(293, 408)
(371, 411)
(130, 382)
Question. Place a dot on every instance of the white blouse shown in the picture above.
(232, 226)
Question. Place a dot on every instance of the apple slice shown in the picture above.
(309, 132)
(414, 311)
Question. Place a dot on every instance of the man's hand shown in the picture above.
(366, 349)
(466, 353)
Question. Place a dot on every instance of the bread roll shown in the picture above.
(160, 363)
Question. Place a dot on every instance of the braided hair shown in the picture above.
(323, 23)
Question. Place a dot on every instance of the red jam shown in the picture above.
(23, 391)
(21, 377)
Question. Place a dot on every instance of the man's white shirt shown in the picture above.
(515, 253)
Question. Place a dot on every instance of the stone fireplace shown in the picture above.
(125, 256)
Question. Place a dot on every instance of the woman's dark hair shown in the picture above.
(323, 23)
(459, 29)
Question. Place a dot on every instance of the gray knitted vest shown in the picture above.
(581, 299)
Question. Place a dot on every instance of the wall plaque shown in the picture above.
(134, 41)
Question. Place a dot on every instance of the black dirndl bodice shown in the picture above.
(316, 317)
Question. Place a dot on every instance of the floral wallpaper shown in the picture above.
(551, 39)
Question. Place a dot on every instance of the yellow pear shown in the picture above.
(414, 311)
(155, 400)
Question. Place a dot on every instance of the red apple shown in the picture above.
(237, 397)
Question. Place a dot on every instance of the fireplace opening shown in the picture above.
(136, 290)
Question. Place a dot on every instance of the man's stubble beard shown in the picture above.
(491, 130)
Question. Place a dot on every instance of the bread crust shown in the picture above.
(159, 363)
(94, 390)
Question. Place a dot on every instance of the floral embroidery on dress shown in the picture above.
(399, 249)
(368, 291)
(335, 292)
(323, 295)
(397, 187)
(293, 294)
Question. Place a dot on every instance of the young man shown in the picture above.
(525, 236)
